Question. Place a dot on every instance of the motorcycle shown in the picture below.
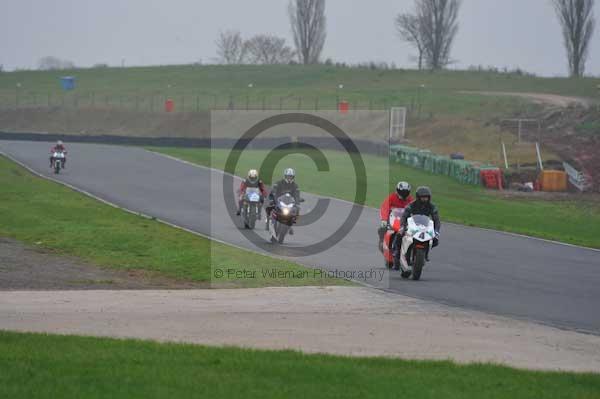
(416, 243)
(58, 159)
(390, 236)
(251, 207)
(283, 216)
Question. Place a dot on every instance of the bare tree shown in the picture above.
(269, 49)
(577, 20)
(49, 63)
(409, 29)
(307, 18)
(439, 24)
(231, 48)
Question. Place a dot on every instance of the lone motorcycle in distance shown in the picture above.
(58, 159)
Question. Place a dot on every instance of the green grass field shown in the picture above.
(43, 213)
(195, 87)
(52, 366)
(571, 221)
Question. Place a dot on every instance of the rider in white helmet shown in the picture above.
(251, 180)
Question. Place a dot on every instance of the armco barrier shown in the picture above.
(464, 171)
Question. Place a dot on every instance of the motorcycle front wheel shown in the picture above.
(418, 263)
(251, 216)
(282, 230)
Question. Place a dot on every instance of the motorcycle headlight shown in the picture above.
(285, 211)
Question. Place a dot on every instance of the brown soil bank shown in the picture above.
(106, 122)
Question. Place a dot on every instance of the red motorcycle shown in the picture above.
(390, 235)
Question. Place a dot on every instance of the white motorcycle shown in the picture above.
(251, 207)
(58, 161)
(416, 243)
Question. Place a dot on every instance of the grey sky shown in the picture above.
(511, 33)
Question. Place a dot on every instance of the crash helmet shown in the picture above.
(403, 189)
(59, 142)
(289, 175)
(422, 193)
(252, 175)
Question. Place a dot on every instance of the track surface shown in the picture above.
(473, 268)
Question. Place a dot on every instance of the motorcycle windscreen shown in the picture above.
(421, 220)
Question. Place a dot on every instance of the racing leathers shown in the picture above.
(247, 183)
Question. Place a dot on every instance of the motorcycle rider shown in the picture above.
(423, 206)
(251, 181)
(286, 185)
(59, 147)
(401, 198)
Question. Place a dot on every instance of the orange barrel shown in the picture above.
(169, 105)
(553, 180)
(343, 107)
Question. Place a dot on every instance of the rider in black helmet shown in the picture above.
(423, 206)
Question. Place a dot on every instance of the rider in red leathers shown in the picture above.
(401, 198)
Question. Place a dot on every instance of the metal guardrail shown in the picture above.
(576, 178)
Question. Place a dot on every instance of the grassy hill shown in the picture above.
(130, 101)
(202, 87)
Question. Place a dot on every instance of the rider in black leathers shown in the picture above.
(286, 185)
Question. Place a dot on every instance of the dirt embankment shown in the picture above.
(96, 121)
(568, 126)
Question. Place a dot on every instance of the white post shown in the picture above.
(505, 158)
(539, 156)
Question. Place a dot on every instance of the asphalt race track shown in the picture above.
(473, 268)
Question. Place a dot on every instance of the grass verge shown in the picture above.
(47, 214)
(53, 366)
(571, 221)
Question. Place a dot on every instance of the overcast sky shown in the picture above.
(510, 33)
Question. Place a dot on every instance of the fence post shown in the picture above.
(299, 103)
(316, 103)
(280, 103)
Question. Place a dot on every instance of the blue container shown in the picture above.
(67, 83)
